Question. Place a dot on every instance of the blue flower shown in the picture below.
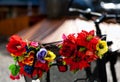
(28, 69)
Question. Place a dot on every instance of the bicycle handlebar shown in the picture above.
(84, 12)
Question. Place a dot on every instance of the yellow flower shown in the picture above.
(50, 56)
(102, 48)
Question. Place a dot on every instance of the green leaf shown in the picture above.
(14, 69)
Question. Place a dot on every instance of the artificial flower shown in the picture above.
(76, 64)
(41, 54)
(42, 66)
(62, 67)
(50, 56)
(15, 77)
(34, 44)
(80, 54)
(92, 43)
(102, 48)
(90, 56)
(23, 72)
(68, 46)
(28, 59)
(84, 37)
(28, 69)
(39, 72)
(16, 46)
(77, 51)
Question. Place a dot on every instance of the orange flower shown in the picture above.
(29, 59)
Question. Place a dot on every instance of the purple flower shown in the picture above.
(41, 54)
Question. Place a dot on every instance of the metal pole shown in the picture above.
(101, 67)
(48, 76)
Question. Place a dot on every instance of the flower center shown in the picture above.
(101, 46)
(89, 37)
(18, 46)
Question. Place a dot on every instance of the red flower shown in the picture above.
(79, 51)
(14, 77)
(16, 45)
(80, 54)
(39, 73)
(83, 64)
(42, 66)
(76, 64)
(90, 56)
(83, 37)
(62, 68)
(68, 46)
(92, 44)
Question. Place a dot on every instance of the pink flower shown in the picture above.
(34, 44)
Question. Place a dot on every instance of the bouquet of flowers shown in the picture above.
(31, 59)
(78, 51)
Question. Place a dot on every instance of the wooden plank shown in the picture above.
(42, 29)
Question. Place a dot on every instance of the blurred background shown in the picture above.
(23, 13)
(42, 20)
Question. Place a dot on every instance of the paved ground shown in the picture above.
(6, 60)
